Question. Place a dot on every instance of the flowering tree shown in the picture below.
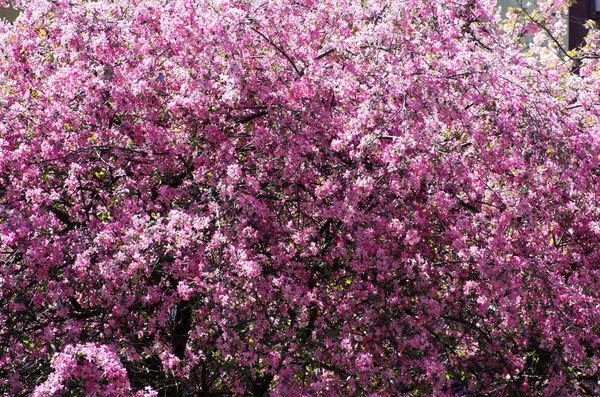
(295, 197)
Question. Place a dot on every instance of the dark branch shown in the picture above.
(251, 117)
(323, 55)
(290, 60)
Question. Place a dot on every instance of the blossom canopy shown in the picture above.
(295, 197)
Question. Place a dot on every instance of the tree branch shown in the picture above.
(251, 117)
(290, 60)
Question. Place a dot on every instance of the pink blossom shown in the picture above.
(297, 198)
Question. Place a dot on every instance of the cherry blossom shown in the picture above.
(291, 198)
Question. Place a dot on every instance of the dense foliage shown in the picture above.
(295, 197)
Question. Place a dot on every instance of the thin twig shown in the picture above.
(290, 60)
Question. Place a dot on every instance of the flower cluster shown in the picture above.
(94, 369)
